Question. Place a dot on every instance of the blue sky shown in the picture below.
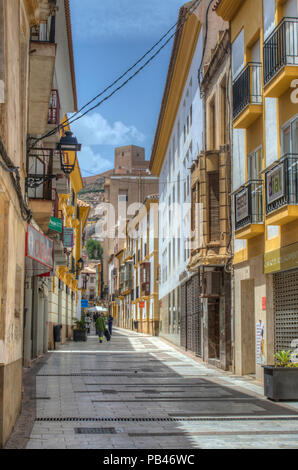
(109, 36)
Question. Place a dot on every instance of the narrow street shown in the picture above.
(137, 392)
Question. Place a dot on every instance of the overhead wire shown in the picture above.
(78, 115)
(14, 171)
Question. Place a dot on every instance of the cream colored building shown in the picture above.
(16, 18)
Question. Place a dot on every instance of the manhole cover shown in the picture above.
(95, 430)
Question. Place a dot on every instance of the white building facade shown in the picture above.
(185, 143)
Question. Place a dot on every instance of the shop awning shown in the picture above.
(39, 253)
(97, 309)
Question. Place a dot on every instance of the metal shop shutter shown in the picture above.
(285, 292)
(189, 325)
(197, 315)
(183, 316)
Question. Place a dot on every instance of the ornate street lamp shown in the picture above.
(68, 143)
(80, 264)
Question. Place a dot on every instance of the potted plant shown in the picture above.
(281, 379)
(80, 332)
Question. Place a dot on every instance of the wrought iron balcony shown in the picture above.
(54, 108)
(281, 51)
(247, 89)
(282, 184)
(249, 205)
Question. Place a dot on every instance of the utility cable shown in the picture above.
(16, 181)
(78, 114)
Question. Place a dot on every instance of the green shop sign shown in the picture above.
(55, 224)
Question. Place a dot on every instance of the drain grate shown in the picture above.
(41, 398)
(169, 419)
(95, 430)
(133, 374)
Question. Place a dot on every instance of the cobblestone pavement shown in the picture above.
(138, 392)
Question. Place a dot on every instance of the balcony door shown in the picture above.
(290, 150)
(291, 11)
(256, 73)
(238, 54)
(255, 166)
(269, 17)
(290, 138)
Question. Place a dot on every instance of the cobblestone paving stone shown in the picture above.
(136, 376)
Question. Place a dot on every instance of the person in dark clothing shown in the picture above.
(95, 317)
(110, 323)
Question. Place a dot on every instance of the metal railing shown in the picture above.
(249, 204)
(247, 88)
(54, 108)
(281, 48)
(282, 183)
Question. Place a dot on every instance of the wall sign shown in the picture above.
(275, 183)
(242, 205)
(68, 237)
(39, 247)
(281, 259)
(260, 343)
(56, 225)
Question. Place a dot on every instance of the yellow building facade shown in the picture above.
(65, 286)
(264, 36)
(138, 302)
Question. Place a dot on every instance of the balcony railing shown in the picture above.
(44, 32)
(39, 172)
(247, 88)
(54, 109)
(281, 48)
(249, 205)
(282, 183)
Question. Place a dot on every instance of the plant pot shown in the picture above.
(281, 383)
(79, 335)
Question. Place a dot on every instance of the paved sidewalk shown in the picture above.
(139, 392)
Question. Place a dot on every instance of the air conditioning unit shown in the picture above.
(212, 283)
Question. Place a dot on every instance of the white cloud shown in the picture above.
(94, 129)
(93, 162)
(123, 18)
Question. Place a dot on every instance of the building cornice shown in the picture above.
(227, 9)
(182, 55)
(71, 54)
(32, 10)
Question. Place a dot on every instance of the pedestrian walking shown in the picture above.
(95, 317)
(110, 323)
(87, 323)
(100, 327)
